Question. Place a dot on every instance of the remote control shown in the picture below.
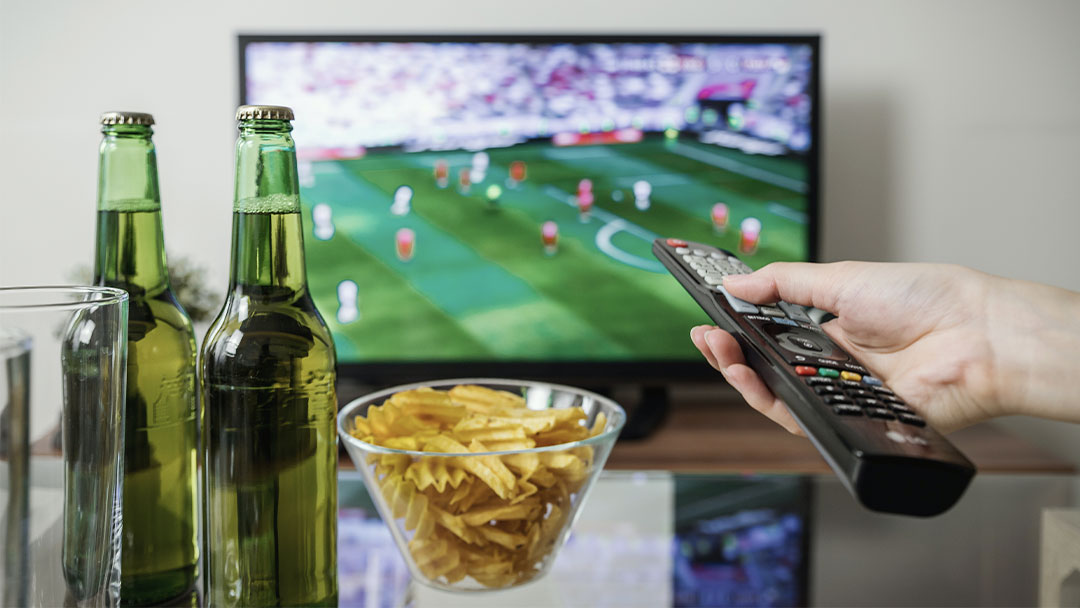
(882, 450)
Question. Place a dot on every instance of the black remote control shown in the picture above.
(883, 452)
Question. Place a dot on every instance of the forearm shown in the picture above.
(1035, 336)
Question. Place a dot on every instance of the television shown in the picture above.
(484, 205)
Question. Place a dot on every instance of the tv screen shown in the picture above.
(488, 204)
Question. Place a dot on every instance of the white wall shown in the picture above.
(951, 128)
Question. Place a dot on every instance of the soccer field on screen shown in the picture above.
(480, 285)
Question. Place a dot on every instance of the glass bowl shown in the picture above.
(458, 527)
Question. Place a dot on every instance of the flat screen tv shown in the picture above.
(485, 205)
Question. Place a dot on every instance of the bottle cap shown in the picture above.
(264, 112)
(127, 118)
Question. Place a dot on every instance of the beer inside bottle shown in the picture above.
(159, 547)
(269, 398)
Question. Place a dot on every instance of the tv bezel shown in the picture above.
(640, 371)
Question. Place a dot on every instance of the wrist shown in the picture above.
(1034, 333)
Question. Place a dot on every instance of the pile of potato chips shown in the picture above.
(493, 518)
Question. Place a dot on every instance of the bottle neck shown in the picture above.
(130, 244)
(268, 242)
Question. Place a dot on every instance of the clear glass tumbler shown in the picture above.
(63, 352)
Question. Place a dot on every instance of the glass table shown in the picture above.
(661, 539)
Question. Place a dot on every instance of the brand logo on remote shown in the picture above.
(899, 437)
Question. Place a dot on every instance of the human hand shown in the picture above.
(958, 345)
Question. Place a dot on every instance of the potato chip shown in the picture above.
(525, 464)
(500, 511)
(525, 490)
(511, 445)
(428, 406)
(497, 517)
(506, 539)
(482, 399)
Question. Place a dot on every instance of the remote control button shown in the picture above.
(827, 389)
(805, 370)
(870, 402)
(772, 311)
(716, 255)
(850, 384)
(688, 258)
(701, 272)
(714, 279)
(847, 410)
(890, 398)
(911, 419)
(880, 413)
(899, 407)
(676, 243)
(701, 252)
(783, 321)
(838, 400)
(860, 393)
(882, 390)
(854, 367)
(851, 376)
(682, 250)
(803, 343)
(818, 380)
(740, 266)
(871, 381)
(828, 372)
(795, 312)
(735, 303)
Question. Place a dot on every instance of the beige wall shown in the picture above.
(952, 132)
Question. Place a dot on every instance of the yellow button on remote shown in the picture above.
(850, 376)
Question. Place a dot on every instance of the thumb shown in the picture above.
(816, 285)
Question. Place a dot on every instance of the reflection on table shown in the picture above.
(643, 539)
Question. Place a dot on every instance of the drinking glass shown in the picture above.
(63, 352)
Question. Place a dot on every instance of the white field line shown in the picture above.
(612, 225)
(735, 166)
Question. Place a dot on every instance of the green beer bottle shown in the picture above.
(269, 403)
(159, 548)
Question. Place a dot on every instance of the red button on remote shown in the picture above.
(676, 242)
(805, 370)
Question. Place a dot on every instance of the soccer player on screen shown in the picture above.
(517, 173)
(402, 201)
(442, 173)
(749, 235)
(584, 185)
(322, 216)
(584, 203)
(720, 217)
(404, 244)
(642, 192)
(549, 235)
(464, 181)
(347, 292)
(480, 162)
(493, 193)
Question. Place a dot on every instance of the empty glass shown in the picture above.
(63, 351)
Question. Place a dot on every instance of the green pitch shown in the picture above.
(480, 286)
